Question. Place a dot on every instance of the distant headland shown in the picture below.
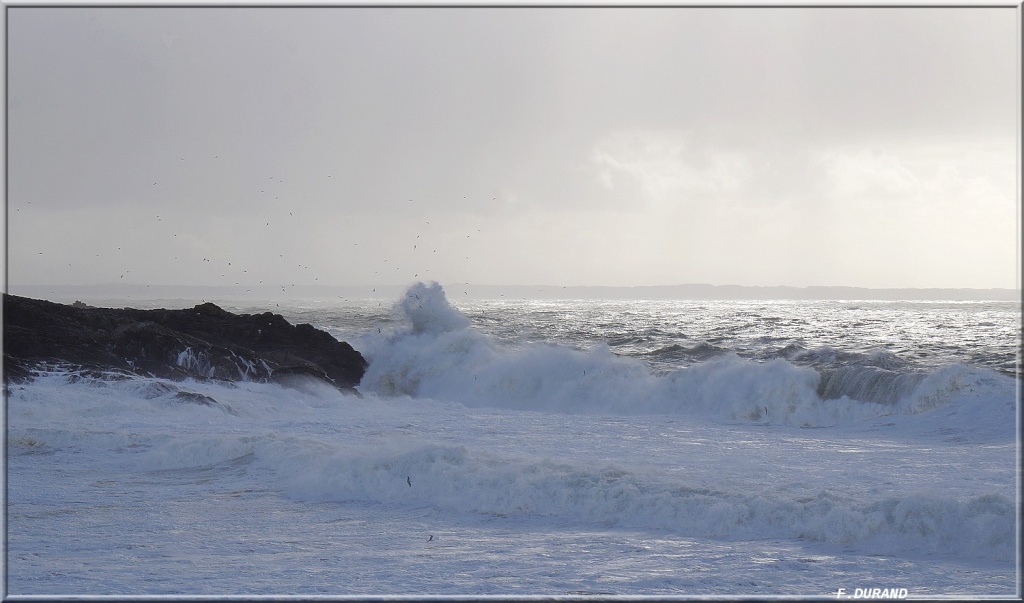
(459, 291)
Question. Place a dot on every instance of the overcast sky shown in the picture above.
(872, 147)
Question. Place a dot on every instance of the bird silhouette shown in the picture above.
(408, 480)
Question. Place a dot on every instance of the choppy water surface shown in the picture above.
(670, 334)
(545, 448)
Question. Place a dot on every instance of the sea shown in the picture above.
(543, 448)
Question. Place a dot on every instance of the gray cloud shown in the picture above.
(498, 119)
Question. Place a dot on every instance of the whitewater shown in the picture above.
(543, 448)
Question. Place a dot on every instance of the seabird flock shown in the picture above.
(231, 271)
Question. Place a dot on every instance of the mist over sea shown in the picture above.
(261, 294)
(543, 446)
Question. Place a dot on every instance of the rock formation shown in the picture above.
(204, 342)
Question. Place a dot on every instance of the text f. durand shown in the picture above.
(872, 593)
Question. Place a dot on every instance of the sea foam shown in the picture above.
(437, 354)
(461, 480)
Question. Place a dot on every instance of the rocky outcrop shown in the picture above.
(204, 342)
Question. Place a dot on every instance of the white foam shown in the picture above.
(438, 355)
(459, 480)
(429, 311)
(421, 453)
(457, 427)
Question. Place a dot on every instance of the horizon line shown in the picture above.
(456, 291)
(124, 285)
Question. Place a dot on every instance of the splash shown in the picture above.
(429, 311)
(440, 356)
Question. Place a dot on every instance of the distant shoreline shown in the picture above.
(456, 292)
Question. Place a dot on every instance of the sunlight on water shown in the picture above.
(544, 448)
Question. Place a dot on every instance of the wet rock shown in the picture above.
(204, 342)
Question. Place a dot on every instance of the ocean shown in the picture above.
(518, 447)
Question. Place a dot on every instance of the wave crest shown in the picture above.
(457, 479)
(428, 310)
(441, 357)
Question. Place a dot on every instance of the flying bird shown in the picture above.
(408, 480)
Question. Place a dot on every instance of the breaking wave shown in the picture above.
(456, 479)
(476, 480)
(436, 354)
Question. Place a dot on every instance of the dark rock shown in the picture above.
(195, 398)
(15, 370)
(300, 377)
(203, 400)
(285, 373)
(204, 342)
(156, 389)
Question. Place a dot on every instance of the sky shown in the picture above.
(291, 146)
